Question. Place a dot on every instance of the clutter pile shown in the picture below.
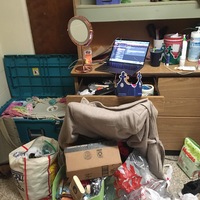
(128, 181)
(91, 166)
(36, 108)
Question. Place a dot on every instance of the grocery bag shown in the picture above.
(34, 167)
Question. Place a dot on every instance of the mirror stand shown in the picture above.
(81, 33)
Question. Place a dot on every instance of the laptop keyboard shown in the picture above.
(125, 66)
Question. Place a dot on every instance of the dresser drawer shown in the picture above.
(173, 130)
(186, 87)
(181, 107)
(112, 100)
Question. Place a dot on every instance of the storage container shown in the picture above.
(62, 175)
(102, 2)
(41, 76)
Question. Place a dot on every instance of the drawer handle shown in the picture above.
(34, 133)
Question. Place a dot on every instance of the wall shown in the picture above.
(15, 37)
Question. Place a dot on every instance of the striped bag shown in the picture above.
(34, 175)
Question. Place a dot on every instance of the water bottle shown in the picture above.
(194, 46)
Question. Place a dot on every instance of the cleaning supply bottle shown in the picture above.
(194, 46)
(183, 51)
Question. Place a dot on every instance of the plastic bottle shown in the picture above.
(194, 46)
(88, 56)
(198, 64)
(184, 51)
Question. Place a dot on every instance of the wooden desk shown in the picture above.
(178, 103)
(146, 71)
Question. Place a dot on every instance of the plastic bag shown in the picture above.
(34, 167)
(134, 174)
(144, 193)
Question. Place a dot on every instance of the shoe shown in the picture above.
(192, 187)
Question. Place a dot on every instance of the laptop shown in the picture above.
(126, 55)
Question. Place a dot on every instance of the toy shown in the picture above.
(124, 88)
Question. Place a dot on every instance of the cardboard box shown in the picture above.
(92, 160)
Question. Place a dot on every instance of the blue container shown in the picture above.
(103, 2)
(42, 76)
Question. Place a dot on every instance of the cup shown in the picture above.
(158, 44)
(155, 57)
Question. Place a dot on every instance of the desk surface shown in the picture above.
(147, 70)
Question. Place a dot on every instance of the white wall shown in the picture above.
(15, 37)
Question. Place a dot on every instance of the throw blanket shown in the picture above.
(9, 138)
(133, 122)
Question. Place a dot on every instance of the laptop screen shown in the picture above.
(129, 51)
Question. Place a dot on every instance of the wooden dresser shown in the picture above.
(178, 95)
(177, 101)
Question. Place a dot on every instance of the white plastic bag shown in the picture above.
(34, 175)
(144, 193)
(134, 175)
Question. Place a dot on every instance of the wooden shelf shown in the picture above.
(147, 71)
(138, 11)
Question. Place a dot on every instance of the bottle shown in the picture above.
(194, 46)
(198, 64)
(183, 51)
(88, 56)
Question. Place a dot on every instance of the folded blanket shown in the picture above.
(133, 122)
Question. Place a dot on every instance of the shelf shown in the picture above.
(138, 11)
(146, 71)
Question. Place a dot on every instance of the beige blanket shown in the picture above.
(9, 138)
(134, 123)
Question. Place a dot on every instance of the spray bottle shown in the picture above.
(194, 46)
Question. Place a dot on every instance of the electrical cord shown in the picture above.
(181, 72)
(96, 61)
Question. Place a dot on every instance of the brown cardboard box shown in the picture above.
(92, 160)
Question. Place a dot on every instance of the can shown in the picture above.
(172, 47)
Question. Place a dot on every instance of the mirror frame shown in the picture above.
(88, 27)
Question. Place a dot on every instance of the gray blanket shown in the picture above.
(133, 122)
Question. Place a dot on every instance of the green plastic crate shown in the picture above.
(42, 76)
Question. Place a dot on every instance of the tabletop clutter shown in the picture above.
(172, 49)
(175, 48)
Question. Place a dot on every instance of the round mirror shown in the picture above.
(81, 33)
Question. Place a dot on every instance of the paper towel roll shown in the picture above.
(147, 90)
